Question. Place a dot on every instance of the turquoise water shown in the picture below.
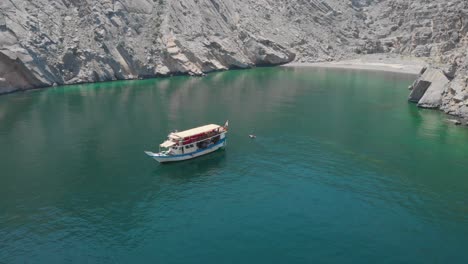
(343, 170)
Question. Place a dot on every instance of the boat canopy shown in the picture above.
(193, 131)
(167, 144)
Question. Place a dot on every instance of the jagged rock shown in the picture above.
(162, 70)
(455, 99)
(3, 25)
(418, 89)
(450, 70)
(421, 51)
(266, 52)
(454, 121)
(428, 89)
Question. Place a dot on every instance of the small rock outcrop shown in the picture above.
(429, 88)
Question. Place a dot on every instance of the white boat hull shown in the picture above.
(172, 158)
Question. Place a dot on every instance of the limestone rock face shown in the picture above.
(429, 88)
(43, 42)
(437, 30)
(47, 42)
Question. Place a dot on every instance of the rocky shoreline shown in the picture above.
(428, 90)
(46, 43)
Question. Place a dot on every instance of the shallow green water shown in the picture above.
(343, 170)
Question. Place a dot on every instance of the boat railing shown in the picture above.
(203, 139)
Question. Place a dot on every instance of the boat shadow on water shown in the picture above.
(201, 166)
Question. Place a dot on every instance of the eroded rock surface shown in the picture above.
(47, 42)
(429, 88)
(437, 30)
(43, 42)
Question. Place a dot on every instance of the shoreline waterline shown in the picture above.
(406, 65)
(397, 68)
(370, 62)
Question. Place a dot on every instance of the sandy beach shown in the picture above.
(374, 62)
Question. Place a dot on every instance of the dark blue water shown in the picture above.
(343, 170)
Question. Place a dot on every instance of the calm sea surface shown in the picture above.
(343, 170)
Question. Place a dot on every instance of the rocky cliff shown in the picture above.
(437, 30)
(48, 42)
